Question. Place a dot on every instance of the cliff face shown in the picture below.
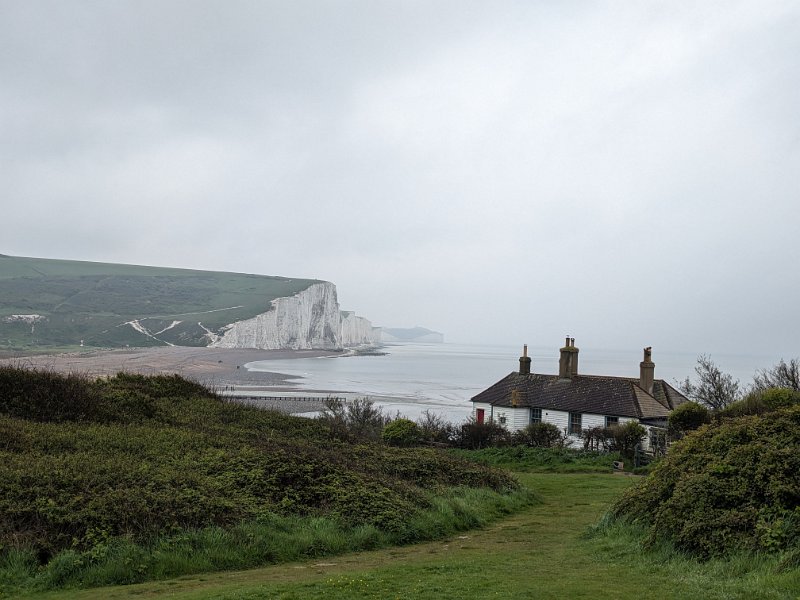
(310, 319)
(357, 331)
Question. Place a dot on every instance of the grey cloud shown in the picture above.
(500, 171)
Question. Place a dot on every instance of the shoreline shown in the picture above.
(223, 370)
(217, 367)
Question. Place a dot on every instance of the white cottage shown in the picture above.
(576, 402)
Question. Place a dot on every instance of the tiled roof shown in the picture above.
(616, 396)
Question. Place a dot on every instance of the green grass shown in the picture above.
(272, 539)
(549, 550)
(542, 460)
(89, 301)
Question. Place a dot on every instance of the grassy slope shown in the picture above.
(85, 300)
(542, 552)
(542, 460)
(135, 478)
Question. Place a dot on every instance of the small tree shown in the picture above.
(365, 420)
(782, 375)
(687, 417)
(434, 429)
(714, 388)
(334, 416)
(596, 438)
(401, 432)
(359, 420)
(624, 438)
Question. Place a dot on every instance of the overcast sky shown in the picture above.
(503, 172)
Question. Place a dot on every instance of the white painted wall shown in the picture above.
(511, 418)
(519, 418)
(559, 418)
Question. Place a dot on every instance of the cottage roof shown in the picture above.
(601, 395)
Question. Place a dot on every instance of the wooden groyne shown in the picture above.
(287, 404)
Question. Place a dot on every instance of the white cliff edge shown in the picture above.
(309, 320)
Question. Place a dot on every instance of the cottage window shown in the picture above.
(502, 419)
(536, 415)
(574, 423)
(612, 421)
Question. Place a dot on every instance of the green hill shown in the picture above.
(57, 303)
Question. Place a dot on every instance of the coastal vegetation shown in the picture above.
(551, 549)
(729, 486)
(133, 478)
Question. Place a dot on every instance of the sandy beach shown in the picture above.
(217, 367)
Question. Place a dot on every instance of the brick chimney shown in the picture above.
(524, 362)
(646, 371)
(568, 363)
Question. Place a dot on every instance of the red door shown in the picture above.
(479, 415)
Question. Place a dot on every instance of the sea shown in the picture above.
(411, 378)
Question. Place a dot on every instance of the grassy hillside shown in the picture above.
(132, 478)
(94, 301)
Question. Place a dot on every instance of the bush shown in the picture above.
(356, 421)
(46, 395)
(596, 438)
(401, 432)
(540, 435)
(687, 417)
(542, 460)
(624, 438)
(763, 401)
(474, 435)
(726, 487)
(435, 430)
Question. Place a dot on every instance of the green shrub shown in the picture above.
(46, 395)
(540, 435)
(435, 429)
(726, 487)
(401, 432)
(556, 460)
(687, 417)
(761, 401)
(624, 438)
(140, 457)
(474, 435)
(356, 421)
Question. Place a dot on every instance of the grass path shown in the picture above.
(539, 553)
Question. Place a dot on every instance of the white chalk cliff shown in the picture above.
(309, 320)
(357, 331)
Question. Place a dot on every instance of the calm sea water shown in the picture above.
(443, 377)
